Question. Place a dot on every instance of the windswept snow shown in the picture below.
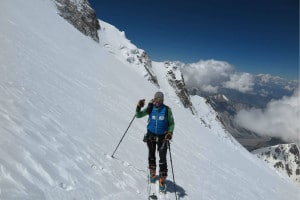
(65, 102)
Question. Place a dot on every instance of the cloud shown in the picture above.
(242, 82)
(279, 119)
(211, 75)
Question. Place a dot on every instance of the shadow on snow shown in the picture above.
(179, 190)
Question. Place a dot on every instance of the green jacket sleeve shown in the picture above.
(171, 121)
(141, 113)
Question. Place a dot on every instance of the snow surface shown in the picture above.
(65, 102)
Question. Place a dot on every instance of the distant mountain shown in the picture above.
(284, 158)
(227, 102)
(265, 89)
(226, 110)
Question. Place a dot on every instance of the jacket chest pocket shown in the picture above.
(161, 118)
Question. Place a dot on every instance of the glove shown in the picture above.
(141, 103)
(168, 136)
(146, 138)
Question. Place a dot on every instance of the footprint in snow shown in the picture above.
(65, 187)
(95, 167)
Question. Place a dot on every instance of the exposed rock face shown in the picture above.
(176, 80)
(283, 157)
(140, 57)
(145, 60)
(80, 14)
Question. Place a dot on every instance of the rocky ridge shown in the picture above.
(146, 61)
(81, 15)
(284, 158)
(176, 81)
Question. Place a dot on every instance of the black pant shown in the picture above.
(162, 147)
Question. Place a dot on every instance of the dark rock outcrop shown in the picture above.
(145, 60)
(176, 80)
(283, 157)
(80, 14)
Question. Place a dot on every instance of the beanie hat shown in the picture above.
(159, 95)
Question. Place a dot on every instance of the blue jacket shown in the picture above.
(158, 120)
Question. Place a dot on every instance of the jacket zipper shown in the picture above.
(156, 120)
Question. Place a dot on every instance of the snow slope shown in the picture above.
(65, 102)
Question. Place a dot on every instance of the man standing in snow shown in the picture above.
(159, 131)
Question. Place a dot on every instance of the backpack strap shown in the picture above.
(149, 108)
(167, 113)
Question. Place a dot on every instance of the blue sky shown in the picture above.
(255, 36)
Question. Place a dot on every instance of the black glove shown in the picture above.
(168, 136)
(140, 104)
(146, 138)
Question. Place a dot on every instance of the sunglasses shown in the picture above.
(158, 99)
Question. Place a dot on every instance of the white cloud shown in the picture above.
(210, 75)
(242, 82)
(279, 119)
(265, 78)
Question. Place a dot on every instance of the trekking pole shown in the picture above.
(123, 137)
(168, 143)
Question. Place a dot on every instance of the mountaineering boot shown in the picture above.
(152, 173)
(162, 185)
(152, 178)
